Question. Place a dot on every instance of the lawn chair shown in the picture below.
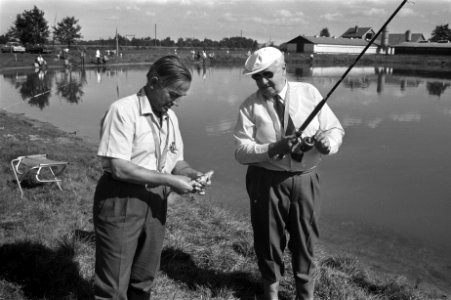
(36, 169)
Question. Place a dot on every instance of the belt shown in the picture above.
(286, 173)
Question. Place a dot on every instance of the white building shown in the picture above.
(329, 45)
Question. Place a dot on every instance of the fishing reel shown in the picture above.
(306, 144)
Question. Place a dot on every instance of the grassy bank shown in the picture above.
(47, 239)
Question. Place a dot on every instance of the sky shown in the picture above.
(275, 21)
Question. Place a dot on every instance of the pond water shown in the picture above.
(385, 195)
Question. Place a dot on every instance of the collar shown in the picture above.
(145, 107)
(283, 92)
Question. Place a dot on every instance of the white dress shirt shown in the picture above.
(258, 126)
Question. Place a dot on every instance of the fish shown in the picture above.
(204, 180)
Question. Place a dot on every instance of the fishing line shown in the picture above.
(324, 100)
(55, 88)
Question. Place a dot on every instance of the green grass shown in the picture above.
(47, 238)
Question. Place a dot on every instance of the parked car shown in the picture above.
(38, 48)
(13, 47)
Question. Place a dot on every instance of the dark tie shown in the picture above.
(280, 109)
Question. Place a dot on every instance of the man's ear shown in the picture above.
(153, 81)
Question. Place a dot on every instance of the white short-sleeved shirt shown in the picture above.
(131, 131)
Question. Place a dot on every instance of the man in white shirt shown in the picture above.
(281, 180)
(142, 156)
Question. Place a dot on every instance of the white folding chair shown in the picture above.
(35, 169)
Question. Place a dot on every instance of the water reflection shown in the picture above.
(37, 87)
(436, 88)
(69, 85)
(363, 77)
(202, 68)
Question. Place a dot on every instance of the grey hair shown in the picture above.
(169, 69)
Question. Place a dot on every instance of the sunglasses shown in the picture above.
(266, 74)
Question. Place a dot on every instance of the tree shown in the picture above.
(324, 32)
(4, 38)
(441, 32)
(67, 31)
(31, 27)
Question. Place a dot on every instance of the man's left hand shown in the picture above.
(322, 142)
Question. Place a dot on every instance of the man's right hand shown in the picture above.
(183, 184)
(281, 148)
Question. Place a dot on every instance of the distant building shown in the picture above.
(423, 48)
(356, 32)
(354, 40)
(398, 38)
(328, 45)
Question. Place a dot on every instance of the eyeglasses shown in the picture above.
(266, 74)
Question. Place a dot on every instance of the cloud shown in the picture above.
(229, 17)
(332, 16)
(407, 12)
(375, 12)
(132, 8)
(196, 14)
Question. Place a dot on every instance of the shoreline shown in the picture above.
(42, 136)
(146, 57)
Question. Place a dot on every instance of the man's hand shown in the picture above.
(183, 184)
(204, 180)
(280, 148)
(322, 142)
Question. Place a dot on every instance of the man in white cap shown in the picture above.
(281, 179)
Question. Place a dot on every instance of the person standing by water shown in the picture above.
(39, 62)
(281, 180)
(98, 57)
(82, 57)
(141, 150)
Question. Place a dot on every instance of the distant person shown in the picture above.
(82, 57)
(40, 62)
(141, 150)
(98, 57)
(281, 180)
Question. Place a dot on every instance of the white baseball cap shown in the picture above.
(261, 59)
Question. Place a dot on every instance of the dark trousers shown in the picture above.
(129, 223)
(284, 204)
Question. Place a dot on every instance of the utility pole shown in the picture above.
(155, 35)
(126, 38)
(117, 43)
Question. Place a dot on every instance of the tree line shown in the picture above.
(31, 27)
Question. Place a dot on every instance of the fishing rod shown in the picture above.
(308, 142)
